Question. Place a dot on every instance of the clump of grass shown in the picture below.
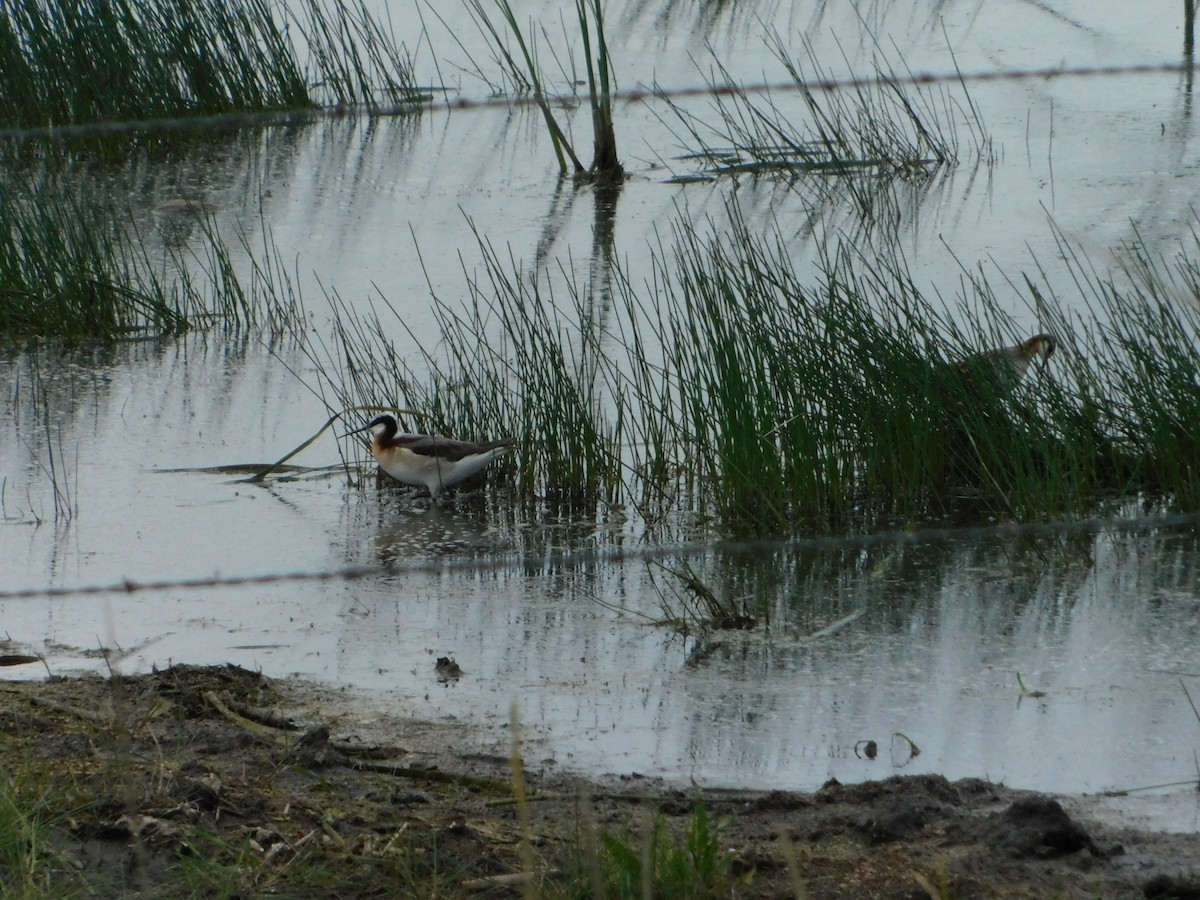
(504, 365)
(33, 811)
(265, 296)
(1148, 430)
(67, 62)
(526, 74)
(78, 63)
(72, 267)
(839, 404)
(688, 602)
(659, 864)
(860, 142)
(354, 59)
(66, 269)
(732, 385)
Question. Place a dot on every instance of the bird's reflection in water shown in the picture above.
(410, 535)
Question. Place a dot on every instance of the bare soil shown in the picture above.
(221, 782)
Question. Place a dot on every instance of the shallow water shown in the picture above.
(894, 639)
(916, 639)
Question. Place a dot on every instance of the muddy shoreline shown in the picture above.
(218, 781)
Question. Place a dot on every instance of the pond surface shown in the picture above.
(914, 642)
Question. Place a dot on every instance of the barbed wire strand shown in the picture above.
(237, 120)
(593, 556)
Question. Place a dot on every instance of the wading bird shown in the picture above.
(982, 420)
(428, 460)
(1009, 365)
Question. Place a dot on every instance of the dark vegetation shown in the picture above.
(526, 77)
(70, 63)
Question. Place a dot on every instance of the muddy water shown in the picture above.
(915, 644)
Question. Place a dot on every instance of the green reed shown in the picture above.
(90, 62)
(66, 269)
(734, 385)
(70, 62)
(354, 59)
(525, 74)
(75, 267)
(1145, 428)
(878, 126)
(836, 403)
(861, 141)
(659, 863)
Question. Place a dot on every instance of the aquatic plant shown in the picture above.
(838, 403)
(732, 386)
(66, 269)
(1148, 423)
(74, 267)
(874, 127)
(77, 267)
(687, 602)
(353, 60)
(68, 62)
(860, 140)
(63, 488)
(526, 74)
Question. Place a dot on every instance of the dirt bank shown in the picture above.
(221, 782)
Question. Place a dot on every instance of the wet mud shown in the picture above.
(218, 781)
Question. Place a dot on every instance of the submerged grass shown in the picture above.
(732, 386)
(686, 601)
(879, 128)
